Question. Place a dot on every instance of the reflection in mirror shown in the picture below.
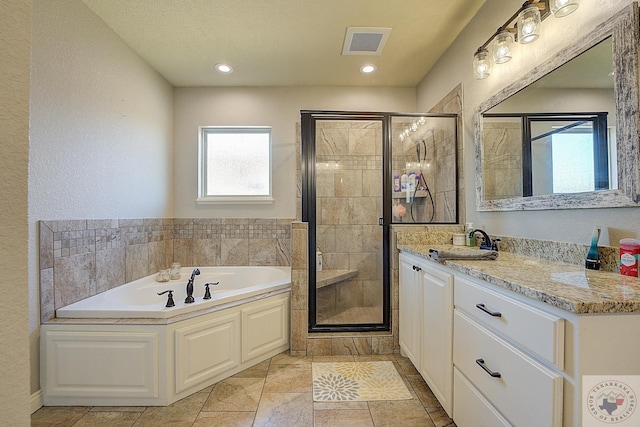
(614, 91)
(538, 154)
(545, 140)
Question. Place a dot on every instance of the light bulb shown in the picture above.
(368, 68)
(481, 64)
(529, 24)
(561, 8)
(224, 68)
(502, 49)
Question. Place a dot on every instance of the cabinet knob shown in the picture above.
(416, 268)
(489, 312)
(494, 374)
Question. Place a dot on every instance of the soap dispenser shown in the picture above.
(470, 240)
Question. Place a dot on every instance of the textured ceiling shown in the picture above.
(285, 42)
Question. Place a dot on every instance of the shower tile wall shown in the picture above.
(502, 169)
(81, 258)
(439, 169)
(452, 104)
(348, 205)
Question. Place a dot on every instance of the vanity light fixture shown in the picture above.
(529, 24)
(224, 68)
(481, 64)
(560, 8)
(523, 26)
(502, 47)
(367, 68)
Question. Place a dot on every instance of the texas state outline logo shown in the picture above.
(610, 400)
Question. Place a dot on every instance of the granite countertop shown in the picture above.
(567, 286)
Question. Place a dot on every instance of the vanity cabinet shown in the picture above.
(426, 291)
(410, 312)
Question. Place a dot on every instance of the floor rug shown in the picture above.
(357, 381)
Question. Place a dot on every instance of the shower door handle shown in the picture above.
(380, 221)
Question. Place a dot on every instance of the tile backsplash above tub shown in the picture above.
(81, 258)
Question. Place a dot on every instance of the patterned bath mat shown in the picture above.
(357, 381)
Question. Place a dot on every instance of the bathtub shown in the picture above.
(140, 299)
(123, 347)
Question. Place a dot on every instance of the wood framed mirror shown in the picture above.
(620, 35)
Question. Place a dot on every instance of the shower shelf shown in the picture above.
(329, 277)
(403, 194)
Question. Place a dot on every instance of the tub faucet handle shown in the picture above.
(207, 294)
(170, 302)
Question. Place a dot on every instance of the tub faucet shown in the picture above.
(190, 298)
(487, 242)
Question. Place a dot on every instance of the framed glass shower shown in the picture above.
(349, 202)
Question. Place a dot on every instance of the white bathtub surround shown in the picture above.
(157, 361)
(140, 299)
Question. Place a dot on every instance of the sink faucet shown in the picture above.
(487, 242)
(190, 298)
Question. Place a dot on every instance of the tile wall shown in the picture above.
(348, 205)
(81, 258)
(502, 171)
(439, 171)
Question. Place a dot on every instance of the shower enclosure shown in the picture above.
(350, 199)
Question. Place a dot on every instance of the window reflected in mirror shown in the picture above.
(538, 154)
(557, 135)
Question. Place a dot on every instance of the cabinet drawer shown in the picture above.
(538, 331)
(472, 409)
(525, 392)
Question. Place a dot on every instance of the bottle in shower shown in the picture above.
(396, 182)
(404, 181)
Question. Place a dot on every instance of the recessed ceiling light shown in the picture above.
(224, 68)
(368, 68)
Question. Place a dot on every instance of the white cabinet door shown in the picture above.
(206, 349)
(265, 327)
(436, 364)
(410, 308)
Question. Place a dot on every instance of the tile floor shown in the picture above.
(276, 393)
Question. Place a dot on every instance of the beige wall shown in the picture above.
(15, 45)
(278, 107)
(455, 67)
(101, 131)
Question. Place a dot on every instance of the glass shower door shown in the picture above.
(344, 209)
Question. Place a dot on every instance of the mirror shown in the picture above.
(571, 107)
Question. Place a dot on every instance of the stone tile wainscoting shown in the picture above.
(81, 258)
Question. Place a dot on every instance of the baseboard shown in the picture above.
(36, 401)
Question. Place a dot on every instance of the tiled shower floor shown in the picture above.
(276, 393)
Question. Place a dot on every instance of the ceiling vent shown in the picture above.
(365, 40)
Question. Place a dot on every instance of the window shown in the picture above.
(234, 165)
(572, 161)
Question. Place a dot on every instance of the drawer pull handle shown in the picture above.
(416, 268)
(480, 363)
(489, 312)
